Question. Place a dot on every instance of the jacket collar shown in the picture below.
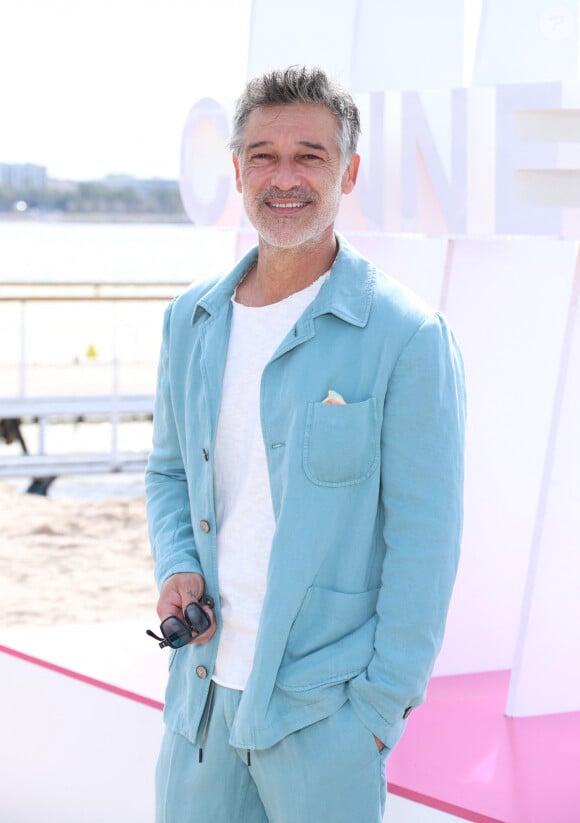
(347, 293)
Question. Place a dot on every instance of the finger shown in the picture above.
(209, 633)
(191, 588)
(380, 744)
(169, 603)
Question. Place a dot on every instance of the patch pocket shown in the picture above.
(341, 442)
(331, 639)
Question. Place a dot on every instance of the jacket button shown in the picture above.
(201, 672)
(407, 712)
(204, 526)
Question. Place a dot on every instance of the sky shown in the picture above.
(96, 87)
(92, 88)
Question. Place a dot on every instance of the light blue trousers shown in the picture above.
(330, 771)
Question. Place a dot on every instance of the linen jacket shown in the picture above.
(367, 499)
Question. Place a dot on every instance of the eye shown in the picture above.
(261, 156)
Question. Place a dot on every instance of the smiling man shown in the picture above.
(304, 492)
(292, 174)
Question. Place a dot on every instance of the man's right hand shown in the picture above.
(179, 591)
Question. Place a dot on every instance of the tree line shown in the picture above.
(95, 198)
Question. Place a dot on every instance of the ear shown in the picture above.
(350, 174)
(236, 163)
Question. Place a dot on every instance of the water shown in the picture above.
(112, 252)
(89, 347)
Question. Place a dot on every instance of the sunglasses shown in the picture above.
(177, 632)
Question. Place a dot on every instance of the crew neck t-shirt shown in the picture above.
(243, 504)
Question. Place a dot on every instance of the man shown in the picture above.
(305, 481)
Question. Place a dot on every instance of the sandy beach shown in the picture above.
(68, 559)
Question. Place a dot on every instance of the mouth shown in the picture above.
(286, 203)
(287, 206)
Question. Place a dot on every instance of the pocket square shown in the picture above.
(334, 398)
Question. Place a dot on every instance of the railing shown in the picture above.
(120, 387)
(115, 293)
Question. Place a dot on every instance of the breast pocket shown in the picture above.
(341, 442)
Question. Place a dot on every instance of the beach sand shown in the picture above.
(74, 559)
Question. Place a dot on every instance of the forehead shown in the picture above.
(308, 123)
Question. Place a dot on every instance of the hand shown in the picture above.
(177, 592)
(380, 744)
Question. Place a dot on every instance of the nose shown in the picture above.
(285, 176)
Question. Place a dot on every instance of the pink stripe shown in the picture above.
(91, 681)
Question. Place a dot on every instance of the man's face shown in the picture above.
(291, 174)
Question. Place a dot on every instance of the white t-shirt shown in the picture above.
(244, 514)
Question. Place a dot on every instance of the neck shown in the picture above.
(279, 273)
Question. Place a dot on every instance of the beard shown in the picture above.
(284, 229)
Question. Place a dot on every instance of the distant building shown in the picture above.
(23, 176)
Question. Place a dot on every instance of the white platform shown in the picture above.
(81, 727)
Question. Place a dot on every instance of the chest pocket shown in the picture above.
(341, 442)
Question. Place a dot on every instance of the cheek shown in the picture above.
(253, 181)
(332, 192)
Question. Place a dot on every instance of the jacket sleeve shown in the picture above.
(422, 445)
(168, 510)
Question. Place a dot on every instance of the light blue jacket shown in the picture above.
(367, 498)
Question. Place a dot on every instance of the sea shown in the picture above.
(55, 251)
(42, 261)
(51, 344)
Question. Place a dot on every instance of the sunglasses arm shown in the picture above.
(162, 639)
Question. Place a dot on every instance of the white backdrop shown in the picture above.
(469, 193)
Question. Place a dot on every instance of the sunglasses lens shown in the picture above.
(197, 618)
(175, 632)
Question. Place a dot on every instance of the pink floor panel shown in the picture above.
(462, 755)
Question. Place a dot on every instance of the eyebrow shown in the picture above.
(306, 143)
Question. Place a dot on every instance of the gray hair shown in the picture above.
(298, 84)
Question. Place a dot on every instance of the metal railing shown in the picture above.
(109, 399)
